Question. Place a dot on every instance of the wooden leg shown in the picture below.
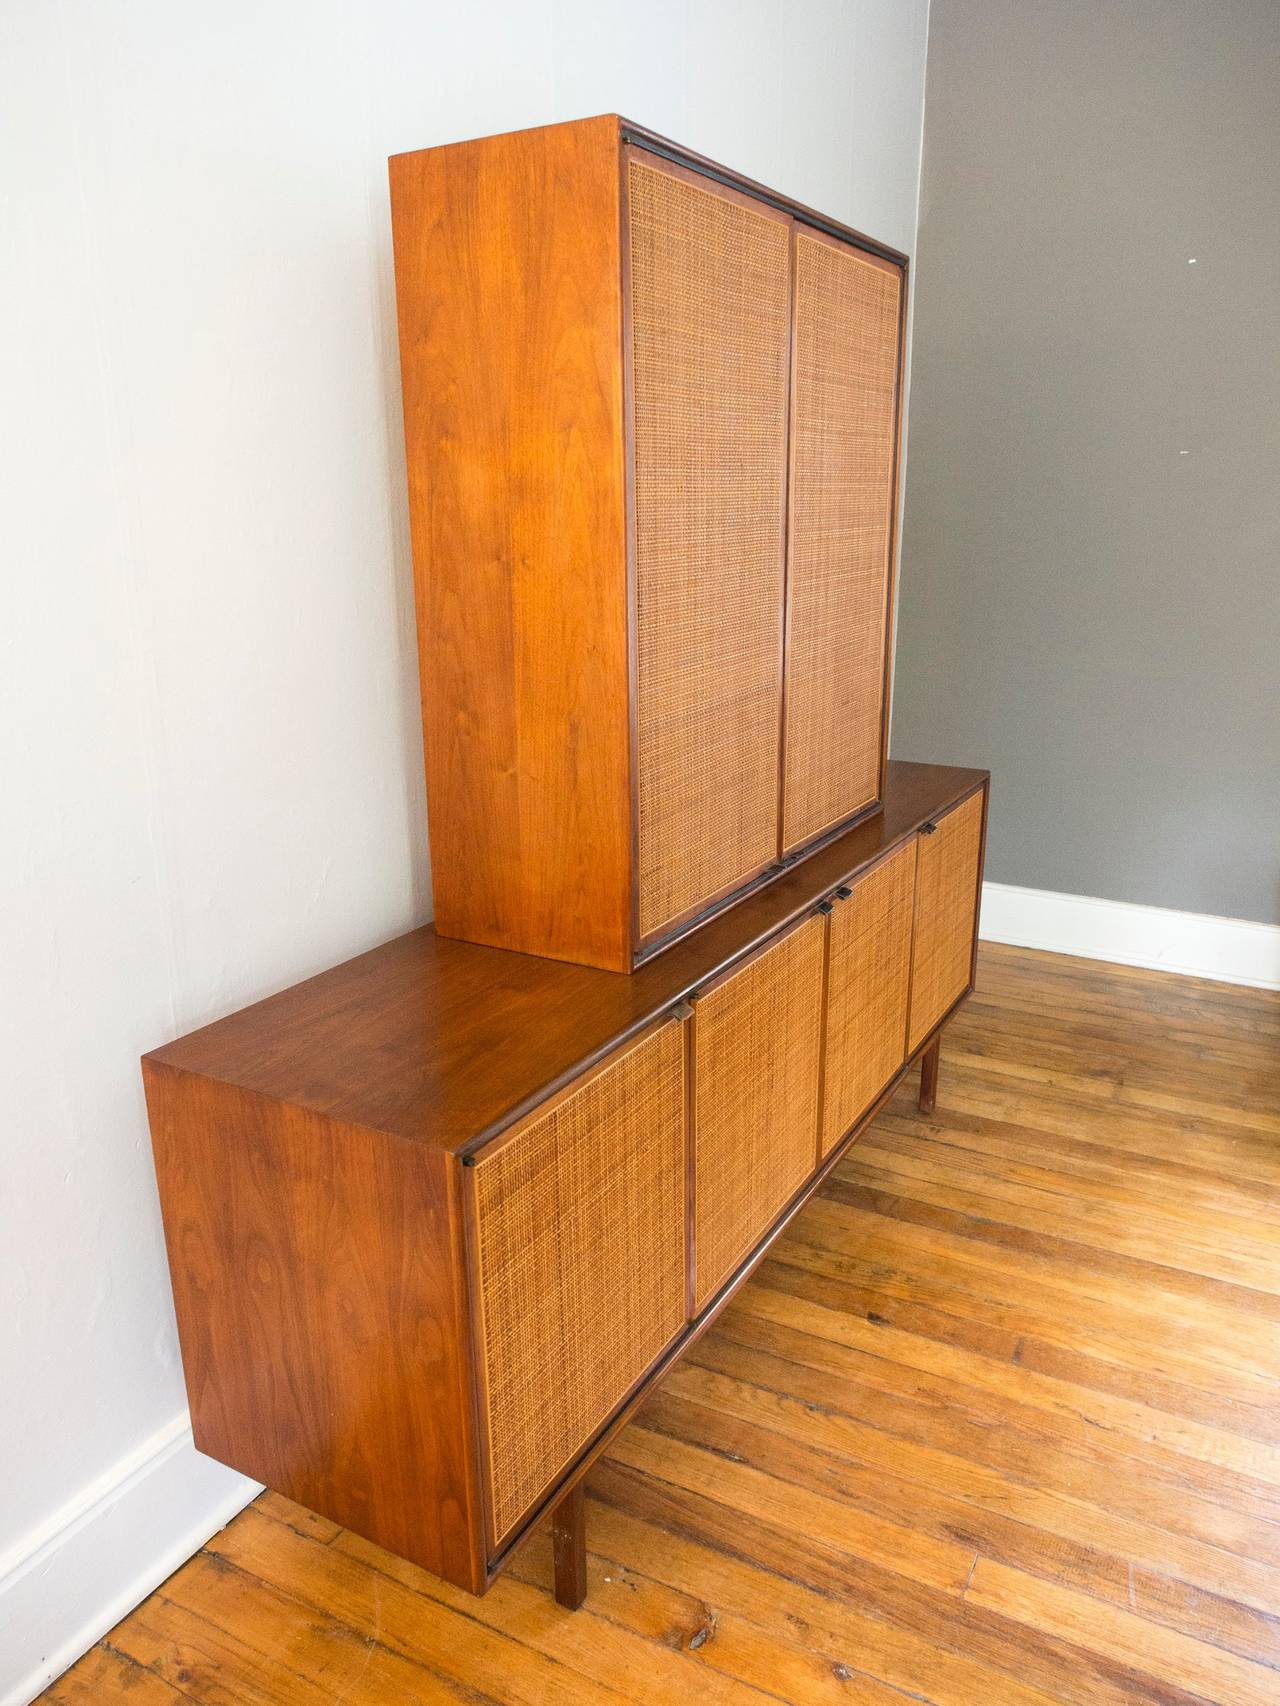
(569, 1545)
(929, 1076)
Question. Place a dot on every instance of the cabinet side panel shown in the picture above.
(946, 915)
(867, 989)
(845, 382)
(579, 1230)
(319, 1284)
(710, 306)
(757, 1041)
(509, 299)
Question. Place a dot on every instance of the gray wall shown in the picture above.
(1090, 584)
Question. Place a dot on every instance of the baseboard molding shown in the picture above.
(1230, 950)
(66, 1583)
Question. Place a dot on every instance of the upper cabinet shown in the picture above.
(651, 425)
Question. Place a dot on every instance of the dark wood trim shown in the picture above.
(891, 576)
(690, 1161)
(982, 866)
(929, 1076)
(691, 917)
(465, 1166)
(984, 789)
(653, 143)
(627, 356)
(569, 1547)
(672, 933)
(824, 1008)
(668, 934)
(786, 549)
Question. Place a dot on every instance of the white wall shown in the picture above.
(211, 781)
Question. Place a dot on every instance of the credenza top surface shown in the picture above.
(443, 1042)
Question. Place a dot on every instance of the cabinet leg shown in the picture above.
(929, 1075)
(569, 1546)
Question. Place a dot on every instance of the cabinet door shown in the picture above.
(756, 1045)
(868, 984)
(844, 430)
(947, 871)
(578, 1238)
(709, 294)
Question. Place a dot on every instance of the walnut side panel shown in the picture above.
(709, 309)
(947, 872)
(757, 1041)
(508, 289)
(868, 982)
(845, 380)
(578, 1235)
(318, 1276)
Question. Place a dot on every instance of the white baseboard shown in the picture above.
(1232, 950)
(69, 1581)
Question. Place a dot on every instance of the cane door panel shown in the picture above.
(579, 1237)
(757, 1040)
(709, 292)
(946, 915)
(868, 984)
(839, 565)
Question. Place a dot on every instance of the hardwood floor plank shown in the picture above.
(1044, 1661)
(632, 1551)
(939, 1476)
(332, 1582)
(867, 1342)
(756, 1431)
(904, 1209)
(1165, 1653)
(107, 1674)
(589, 1642)
(943, 1564)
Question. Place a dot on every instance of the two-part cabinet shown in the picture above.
(651, 425)
(437, 1218)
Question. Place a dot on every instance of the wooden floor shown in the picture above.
(997, 1424)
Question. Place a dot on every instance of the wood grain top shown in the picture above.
(443, 1042)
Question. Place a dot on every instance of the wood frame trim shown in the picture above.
(627, 368)
(899, 267)
(852, 883)
(895, 503)
(823, 1020)
(628, 1405)
(732, 191)
(983, 788)
(725, 974)
(654, 143)
(475, 1337)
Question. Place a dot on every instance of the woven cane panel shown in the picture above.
(843, 452)
(946, 909)
(709, 309)
(756, 1048)
(868, 982)
(580, 1235)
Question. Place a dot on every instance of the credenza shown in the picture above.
(652, 420)
(438, 1218)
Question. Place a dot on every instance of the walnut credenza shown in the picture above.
(439, 1217)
